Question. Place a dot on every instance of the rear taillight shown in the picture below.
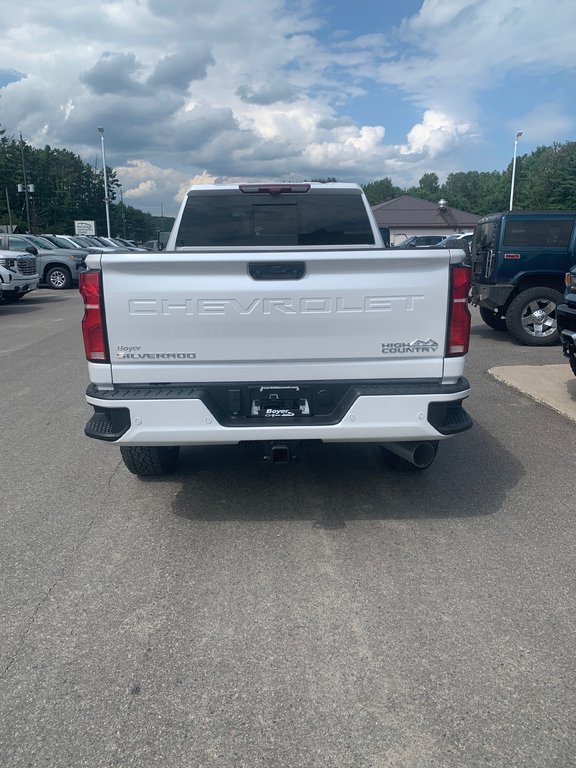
(92, 322)
(459, 327)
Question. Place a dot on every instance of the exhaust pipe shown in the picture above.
(421, 454)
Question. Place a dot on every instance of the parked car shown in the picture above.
(519, 261)
(60, 242)
(419, 241)
(455, 240)
(89, 244)
(18, 275)
(129, 243)
(84, 245)
(57, 267)
(119, 243)
(151, 245)
(566, 320)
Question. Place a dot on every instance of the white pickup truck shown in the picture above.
(276, 315)
(18, 275)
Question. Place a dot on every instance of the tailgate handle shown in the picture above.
(279, 270)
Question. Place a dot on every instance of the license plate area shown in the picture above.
(281, 402)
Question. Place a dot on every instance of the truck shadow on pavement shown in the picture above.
(331, 485)
(33, 302)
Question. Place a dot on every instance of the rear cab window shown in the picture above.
(228, 218)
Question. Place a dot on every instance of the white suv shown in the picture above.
(18, 275)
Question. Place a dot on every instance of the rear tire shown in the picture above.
(495, 320)
(150, 461)
(531, 317)
(572, 360)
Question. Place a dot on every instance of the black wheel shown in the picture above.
(572, 360)
(496, 320)
(531, 317)
(58, 278)
(150, 461)
(424, 458)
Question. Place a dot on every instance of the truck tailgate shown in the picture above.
(205, 316)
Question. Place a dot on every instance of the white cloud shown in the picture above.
(141, 180)
(434, 135)
(458, 49)
(267, 89)
(347, 148)
(144, 190)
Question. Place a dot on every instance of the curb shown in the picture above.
(551, 385)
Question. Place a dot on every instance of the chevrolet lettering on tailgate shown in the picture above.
(268, 306)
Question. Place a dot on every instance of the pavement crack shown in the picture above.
(113, 474)
(67, 562)
(32, 618)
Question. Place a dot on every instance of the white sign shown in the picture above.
(84, 227)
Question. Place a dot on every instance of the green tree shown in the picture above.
(476, 192)
(12, 203)
(381, 191)
(429, 187)
(546, 179)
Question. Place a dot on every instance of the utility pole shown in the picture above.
(25, 186)
(123, 214)
(9, 211)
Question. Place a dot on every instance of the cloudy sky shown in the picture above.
(219, 90)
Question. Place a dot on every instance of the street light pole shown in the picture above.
(518, 134)
(106, 198)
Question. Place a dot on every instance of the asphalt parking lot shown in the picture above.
(327, 612)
